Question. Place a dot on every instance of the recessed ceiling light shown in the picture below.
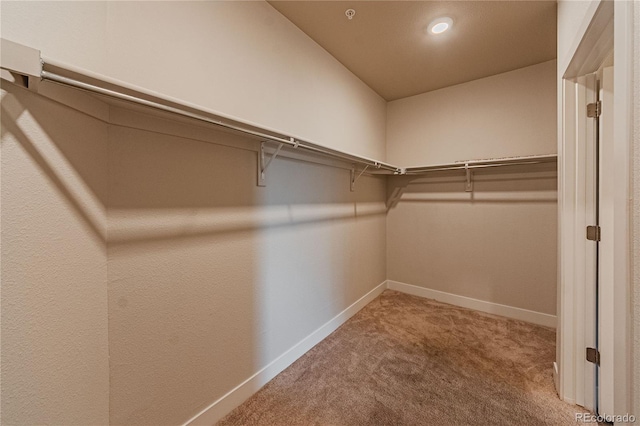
(440, 25)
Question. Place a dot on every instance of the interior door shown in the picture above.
(605, 313)
(587, 167)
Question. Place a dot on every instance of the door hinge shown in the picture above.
(594, 109)
(593, 355)
(593, 233)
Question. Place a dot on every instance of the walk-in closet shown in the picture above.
(319, 212)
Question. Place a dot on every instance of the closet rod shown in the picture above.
(29, 63)
(478, 164)
(290, 141)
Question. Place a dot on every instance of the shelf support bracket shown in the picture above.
(264, 163)
(355, 178)
(400, 171)
(23, 62)
(469, 179)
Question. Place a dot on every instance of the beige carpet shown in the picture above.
(405, 360)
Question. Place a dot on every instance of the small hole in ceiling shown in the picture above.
(350, 13)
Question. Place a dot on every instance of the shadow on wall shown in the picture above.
(68, 164)
(495, 244)
(54, 295)
(248, 272)
(506, 184)
(210, 278)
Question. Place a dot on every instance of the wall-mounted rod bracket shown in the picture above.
(354, 178)
(469, 182)
(264, 163)
(25, 63)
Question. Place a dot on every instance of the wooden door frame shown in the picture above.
(609, 25)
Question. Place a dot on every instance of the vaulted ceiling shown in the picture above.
(386, 43)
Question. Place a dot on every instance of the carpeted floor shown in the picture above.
(405, 360)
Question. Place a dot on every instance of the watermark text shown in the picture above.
(608, 418)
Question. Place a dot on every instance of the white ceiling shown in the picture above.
(386, 44)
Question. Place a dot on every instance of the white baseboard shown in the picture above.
(224, 405)
(478, 305)
(243, 391)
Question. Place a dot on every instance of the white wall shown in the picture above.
(240, 58)
(497, 244)
(55, 351)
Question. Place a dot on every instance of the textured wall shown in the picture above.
(497, 244)
(247, 60)
(241, 58)
(211, 277)
(508, 114)
(55, 351)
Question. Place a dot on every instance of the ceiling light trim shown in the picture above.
(440, 25)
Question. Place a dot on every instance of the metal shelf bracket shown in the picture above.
(26, 62)
(354, 178)
(264, 163)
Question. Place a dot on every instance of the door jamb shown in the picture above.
(610, 18)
